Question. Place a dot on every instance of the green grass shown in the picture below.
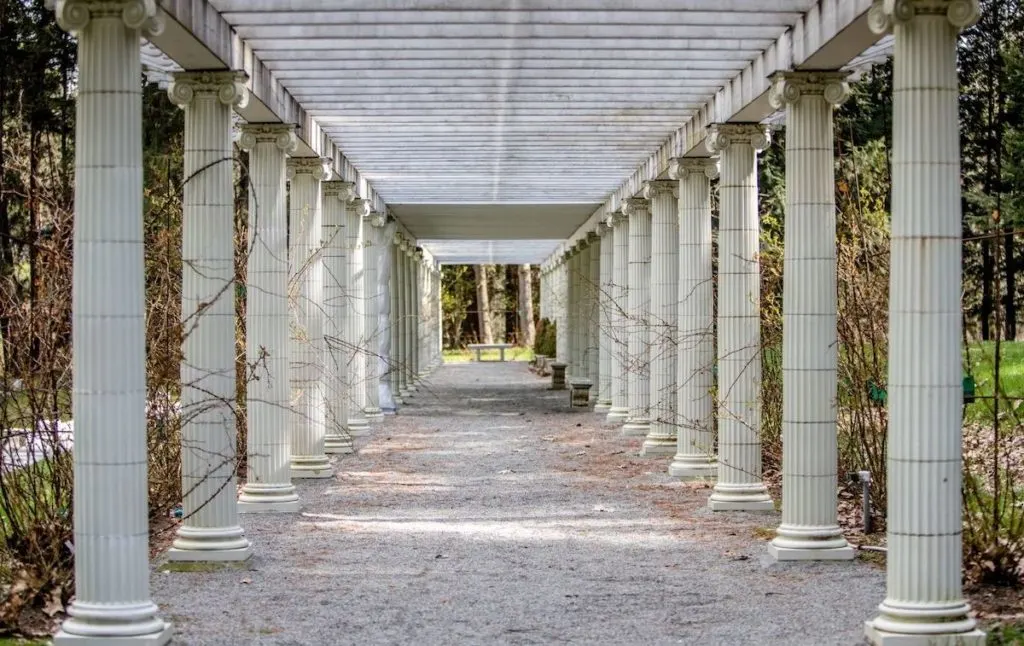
(1005, 634)
(979, 360)
(18, 641)
(466, 355)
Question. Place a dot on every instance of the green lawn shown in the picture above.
(465, 355)
(979, 360)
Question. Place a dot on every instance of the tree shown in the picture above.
(483, 304)
(527, 329)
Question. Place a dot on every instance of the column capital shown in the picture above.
(723, 135)
(636, 207)
(228, 87)
(603, 228)
(363, 207)
(614, 218)
(144, 15)
(885, 14)
(790, 86)
(682, 167)
(344, 191)
(281, 135)
(592, 237)
(378, 219)
(318, 167)
(656, 187)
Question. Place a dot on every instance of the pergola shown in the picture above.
(388, 137)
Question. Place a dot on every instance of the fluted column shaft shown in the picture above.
(412, 331)
(664, 281)
(395, 323)
(402, 320)
(385, 311)
(268, 484)
(580, 258)
(560, 298)
(409, 320)
(809, 528)
(372, 245)
(355, 321)
(618, 306)
(338, 350)
(924, 601)
(209, 529)
(111, 533)
(593, 313)
(695, 438)
(307, 340)
(739, 485)
(638, 369)
(604, 312)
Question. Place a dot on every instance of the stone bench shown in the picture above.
(579, 393)
(490, 346)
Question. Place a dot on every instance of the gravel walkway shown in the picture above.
(487, 512)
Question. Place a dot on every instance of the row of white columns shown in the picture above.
(316, 318)
(658, 323)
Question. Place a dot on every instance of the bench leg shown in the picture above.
(503, 354)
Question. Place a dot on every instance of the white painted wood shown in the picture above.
(662, 328)
(305, 295)
(108, 327)
(695, 440)
(339, 353)
(924, 601)
(810, 344)
(268, 485)
(210, 528)
(619, 294)
(739, 485)
(637, 327)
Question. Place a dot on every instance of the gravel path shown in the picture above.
(487, 512)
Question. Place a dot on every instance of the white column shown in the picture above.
(306, 303)
(739, 485)
(604, 312)
(210, 529)
(576, 339)
(415, 263)
(397, 312)
(924, 601)
(109, 331)
(618, 304)
(268, 485)
(593, 313)
(664, 282)
(408, 299)
(339, 351)
(385, 232)
(695, 438)
(809, 529)
(561, 307)
(372, 227)
(638, 369)
(355, 323)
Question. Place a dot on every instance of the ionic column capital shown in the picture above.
(723, 135)
(228, 87)
(378, 219)
(603, 228)
(659, 187)
(885, 14)
(318, 167)
(344, 191)
(614, 218)
(636, 207)
(281, 135)
(74, 15)
(789, 87)
(683, 167)
(363, 207)
(592, 237)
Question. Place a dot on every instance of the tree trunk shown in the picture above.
(483, 304)
(987, 276)
(1010, 305)
(527, 330)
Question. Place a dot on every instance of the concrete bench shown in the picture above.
(490, 346)
(579, 393)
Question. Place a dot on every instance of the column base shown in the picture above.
(877, 637)
(617, 415)
(372, 412)
(693, 469)
(210, 544)
(740, 497)
(256, 498)
(358, 427)
(810, 543)
(127, 624)
(310, 473)
(603, 407)
(658, 446)
(810, 553)
(338, 445)
(636, 428)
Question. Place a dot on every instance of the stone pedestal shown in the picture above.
(604, 309)
(618, 306)
(112, 597)
(268, 485)
(664, 281)
(307, 340)
(739, 485)
(558, 376)
(809, 529)
(579, 393)
(924, 602)
(695, 440)
(209, 530)
(638, 369)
